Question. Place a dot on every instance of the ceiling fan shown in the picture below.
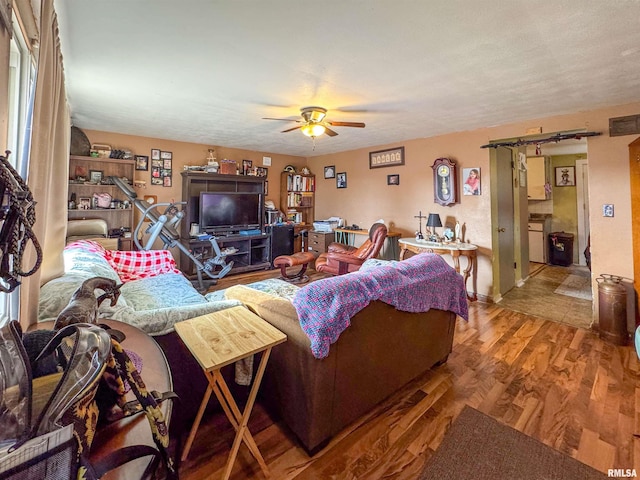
(314, 124)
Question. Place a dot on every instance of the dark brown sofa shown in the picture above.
(381, 351)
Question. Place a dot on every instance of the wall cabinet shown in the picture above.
(538, 174)
(81, 171)
(297, 192)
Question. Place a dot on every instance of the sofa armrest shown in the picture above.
(275, 310)
(296, 384)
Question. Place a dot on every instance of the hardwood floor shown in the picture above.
(554, 382)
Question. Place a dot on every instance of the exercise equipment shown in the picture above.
(164, 226)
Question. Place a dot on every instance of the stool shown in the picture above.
(300, 258)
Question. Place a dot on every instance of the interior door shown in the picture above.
(505, 220)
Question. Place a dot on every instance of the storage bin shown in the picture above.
(561, 248)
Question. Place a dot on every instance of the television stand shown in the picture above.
(248, 252)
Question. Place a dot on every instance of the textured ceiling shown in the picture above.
(208, 71)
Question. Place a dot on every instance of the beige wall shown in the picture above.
(191, 154)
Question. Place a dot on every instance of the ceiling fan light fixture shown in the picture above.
(313, 129)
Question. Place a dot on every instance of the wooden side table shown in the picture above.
(218, 339)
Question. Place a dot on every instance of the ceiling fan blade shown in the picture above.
(290, 129)
(282, 119)
(330, 132)
(346, 124)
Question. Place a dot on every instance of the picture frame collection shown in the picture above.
(392, 157)
(161, 167)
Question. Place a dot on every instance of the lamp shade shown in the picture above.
(434, 220)
(313, 129)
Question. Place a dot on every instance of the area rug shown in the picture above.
(480, 448)
(575, 286)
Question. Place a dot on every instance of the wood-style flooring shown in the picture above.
(560, 384)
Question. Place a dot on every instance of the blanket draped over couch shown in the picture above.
(325, 307)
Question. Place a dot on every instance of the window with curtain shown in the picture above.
(21, 77)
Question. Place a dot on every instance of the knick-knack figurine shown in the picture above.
(457, 232)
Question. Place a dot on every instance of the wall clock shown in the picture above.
(445, 181)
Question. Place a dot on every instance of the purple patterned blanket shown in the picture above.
(417, 284)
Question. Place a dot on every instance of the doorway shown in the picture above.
(508, 197)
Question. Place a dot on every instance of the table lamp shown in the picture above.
(434, 221)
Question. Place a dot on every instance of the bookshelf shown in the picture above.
(297, 196)
(81, 188)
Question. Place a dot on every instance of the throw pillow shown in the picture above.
(134, 265)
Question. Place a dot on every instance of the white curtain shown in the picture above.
(48, 164)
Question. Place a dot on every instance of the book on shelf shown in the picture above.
(300, 183)
(300, 199)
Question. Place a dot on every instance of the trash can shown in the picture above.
(561, 248)
(612, 309)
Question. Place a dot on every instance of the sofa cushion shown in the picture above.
(166, 290)
(56, 293)
(135, 265)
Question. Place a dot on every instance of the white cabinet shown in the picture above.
(537, 178)
(536, 242)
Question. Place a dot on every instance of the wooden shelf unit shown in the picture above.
(115, 218)
(252, 250)
(297, 192)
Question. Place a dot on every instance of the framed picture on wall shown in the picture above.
(341, 180)
(142, 162)
(471, 181)
(566, 176)
(330, 171)
(386, 158)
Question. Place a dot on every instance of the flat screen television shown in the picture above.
(222, 212)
